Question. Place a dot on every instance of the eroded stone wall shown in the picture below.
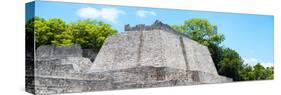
(118, 52)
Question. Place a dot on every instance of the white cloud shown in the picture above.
(143, 14)
(254, 61)
(110, 14)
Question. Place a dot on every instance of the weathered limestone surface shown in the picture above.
(156, 45)
(198, 57)
(50, 51)
(142, 56)
(118, 52)
(138, 77)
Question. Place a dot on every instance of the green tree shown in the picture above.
(257, 72)
(45, 30)
(247, 73)
(231, 64)
(201, 30)
(262, 73)
(90, 33)
(56, 27)
(39, 27)
(270, 72)
(65, 38)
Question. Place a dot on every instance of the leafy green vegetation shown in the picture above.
(257, 72)
(231, 64)
(201, 31)
(227, 61)
(88, 33)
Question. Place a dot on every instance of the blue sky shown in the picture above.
(250, 35)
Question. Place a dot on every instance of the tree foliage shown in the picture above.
(201, 30)
(91, 33)
(88, 33)
(46, 30)
(257, 72)
(231, 64)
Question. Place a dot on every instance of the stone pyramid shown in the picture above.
(157, 46)
(142, 56)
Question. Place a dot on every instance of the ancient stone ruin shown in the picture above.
(142, 56)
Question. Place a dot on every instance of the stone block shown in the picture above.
(51, 51)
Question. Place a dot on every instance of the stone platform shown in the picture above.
(138, 77)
